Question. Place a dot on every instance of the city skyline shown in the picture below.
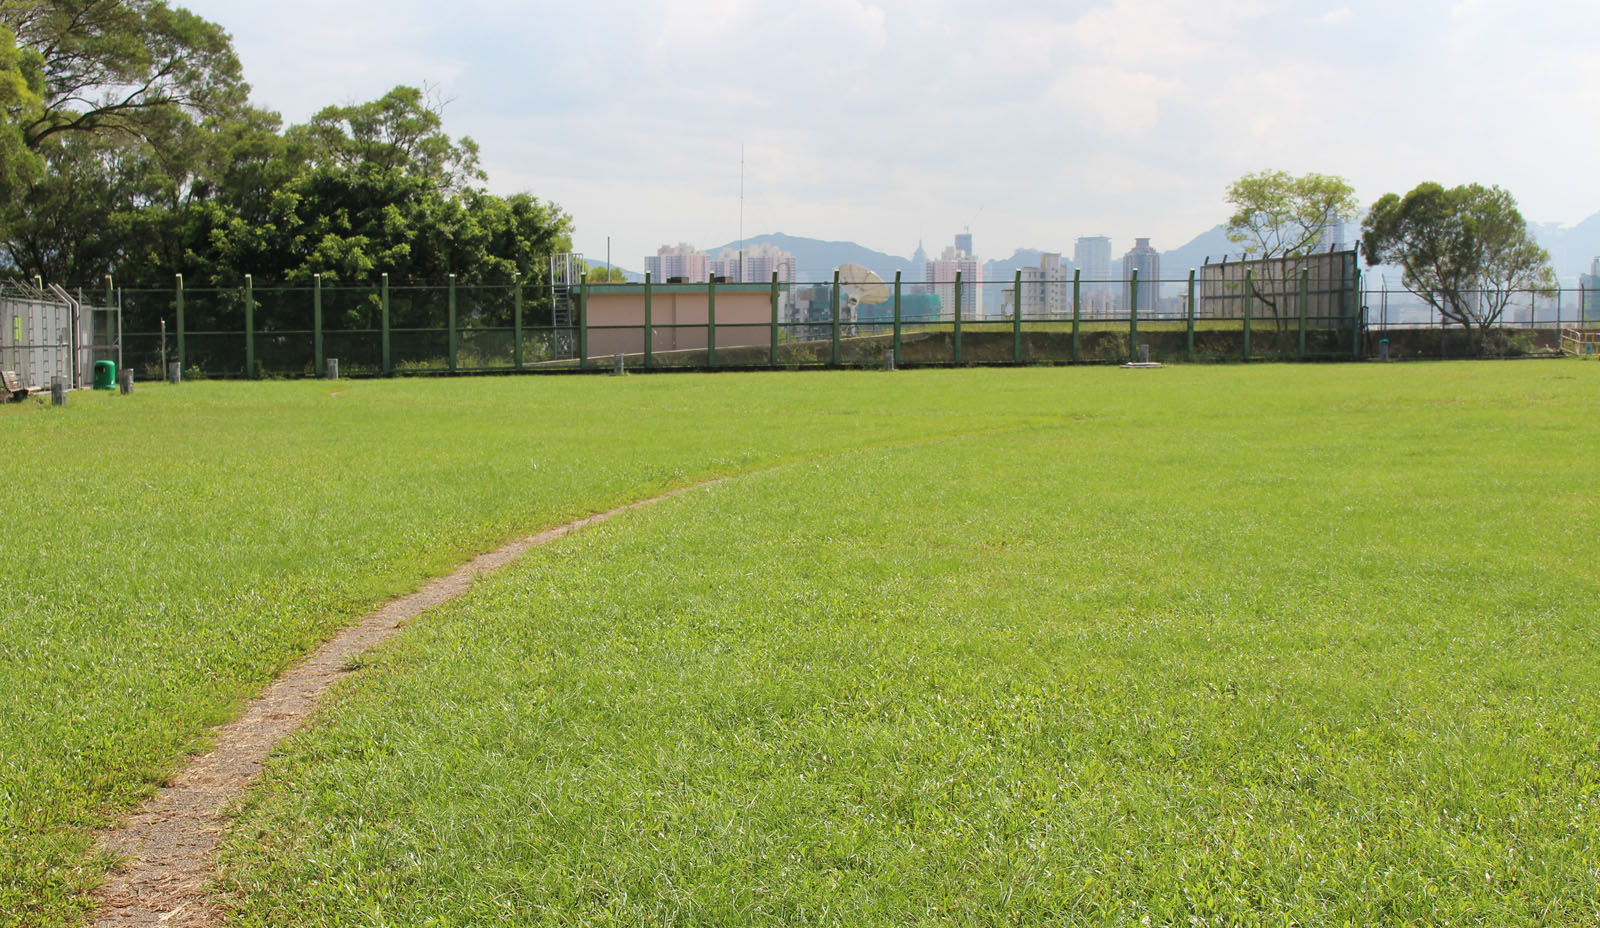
(1127, 117)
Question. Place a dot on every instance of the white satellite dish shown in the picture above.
(860, 285)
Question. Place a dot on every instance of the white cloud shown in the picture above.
(1338, 17)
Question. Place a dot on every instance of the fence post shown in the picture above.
(772, 348)
(1355, 319)
(183, 360)
(1016, 319)
(452, 322)
(383, 313)
(317, 363)
(898, 325)
(1133, 318)
(711, 320)
(836, 317)
(1077, 293)
(583, 319)
(517, 355)
(649, 321)
(1305, 302)
(1249, 285)
(249, 327)
(958, 319)
(111, 302)
(1188, 338)
(1558, 309)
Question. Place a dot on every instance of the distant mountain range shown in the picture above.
(1572, 249)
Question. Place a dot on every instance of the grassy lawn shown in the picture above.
(1259, 645)
(167, 552)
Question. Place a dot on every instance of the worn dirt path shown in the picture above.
(169, 847)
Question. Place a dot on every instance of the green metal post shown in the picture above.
(1077, 293)
(1016, 319)
(835, 318)
(454, 344)
(957, 332)
(183, 359)
(1133, 318)
(772, 349)
(583, 320)
(1305, 304)
(649, 322)
(1188, 339)
(711, 321)
(897, 318)
(249, 326)
(383, 312)
(1355, 320)
(1249, 285)
(316, 325)
(516, 320)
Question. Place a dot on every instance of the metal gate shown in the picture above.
(37, 334)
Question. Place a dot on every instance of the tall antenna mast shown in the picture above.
(741, 212)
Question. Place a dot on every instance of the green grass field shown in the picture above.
(1259, 645)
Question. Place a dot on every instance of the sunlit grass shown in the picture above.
(1309, 646)
(165, 553)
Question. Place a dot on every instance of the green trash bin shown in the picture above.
(105, 375)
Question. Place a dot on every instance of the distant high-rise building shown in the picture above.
(755, 265)
(919, 269)
(681, 262)
(1045, 289)
(964, 242)
(1589, 293)
(1092, 255)
(1147, 261)
(941, 277)
(1056, 276)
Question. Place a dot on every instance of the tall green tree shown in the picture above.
(103, 138)
(1464, 250)
(1279, 217)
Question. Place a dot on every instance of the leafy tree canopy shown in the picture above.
(1464, 250)
(1278, 215)
(402, 131)
(21, 97)
(119, 65)
(599, 273)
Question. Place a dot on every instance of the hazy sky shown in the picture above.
(884, 122)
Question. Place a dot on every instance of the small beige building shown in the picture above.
(679, 316)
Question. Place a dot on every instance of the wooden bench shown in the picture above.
(13, 388)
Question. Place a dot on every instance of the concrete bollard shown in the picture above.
(126, 379)
(617, 366)
(888, 360)
(174, 372)
(1144, 354)
(58, 391)
(332, 371)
